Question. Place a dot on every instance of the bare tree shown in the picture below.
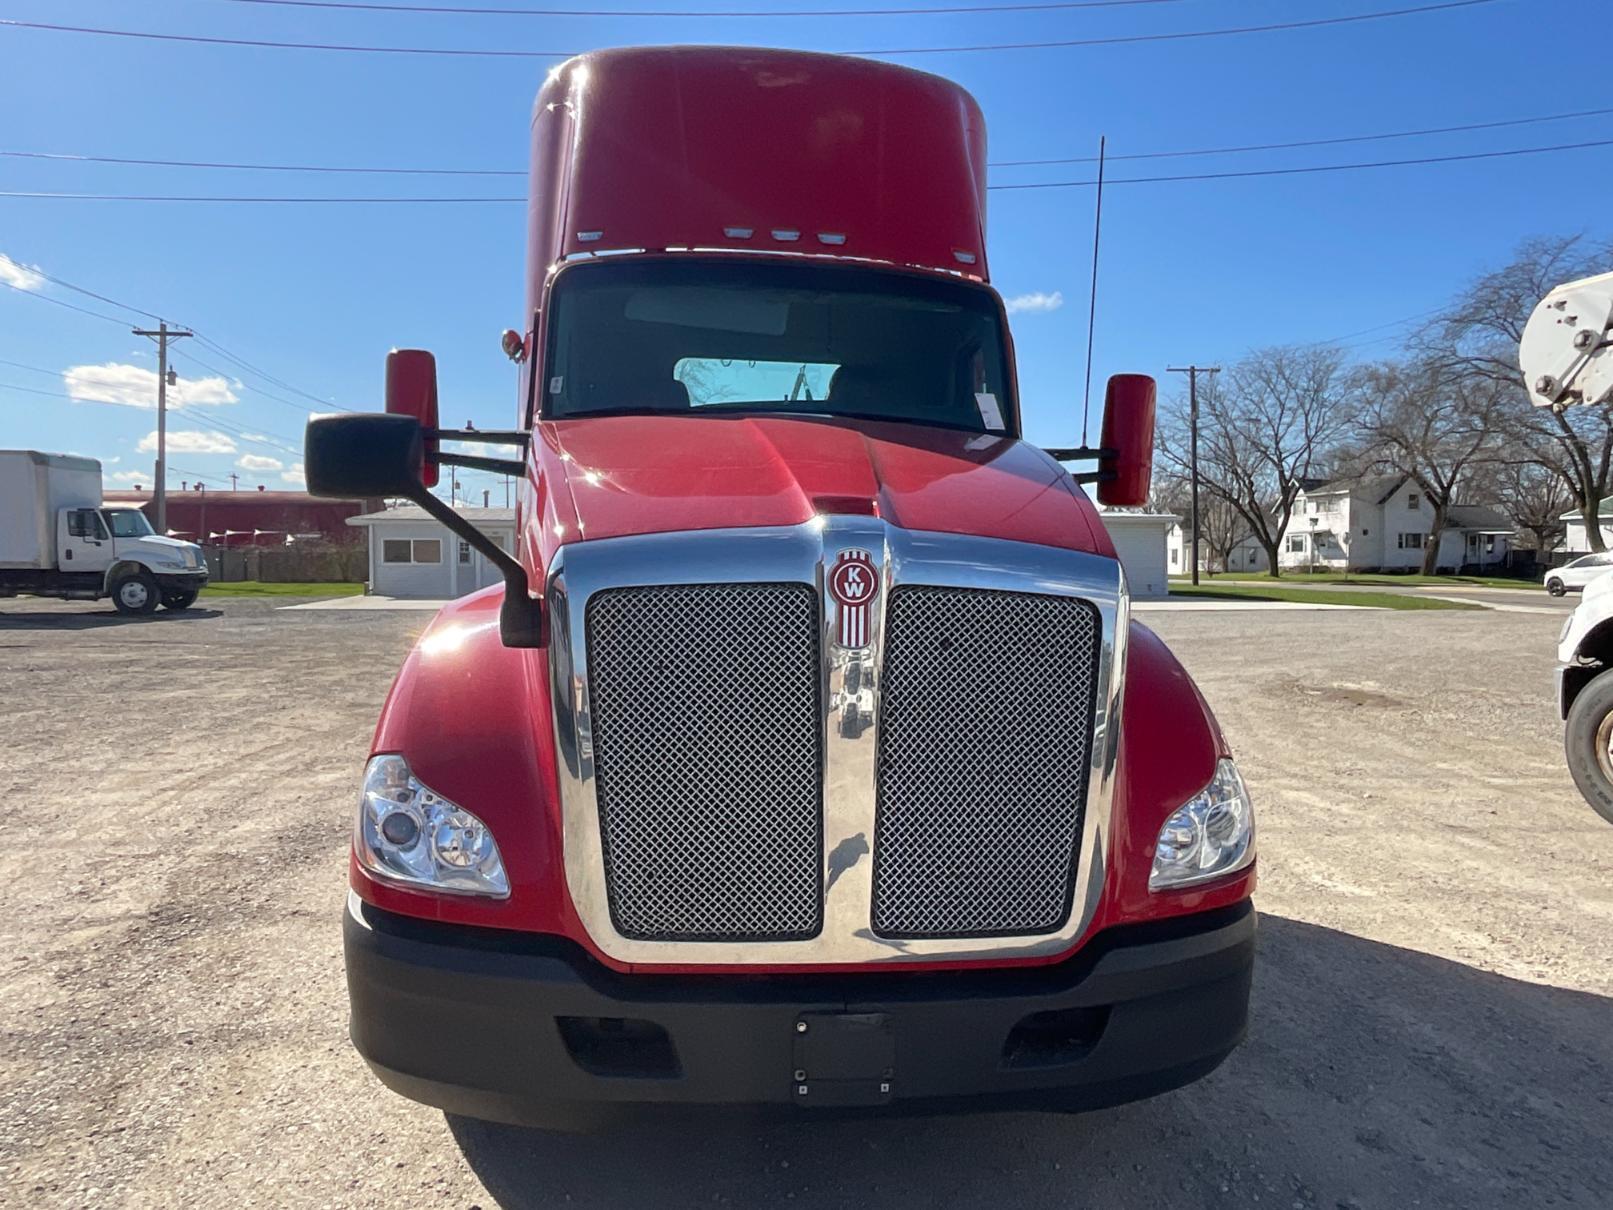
(1266, 424)
(1435, 425)
(1534, 496)
(1221, 529)
(1478, 338)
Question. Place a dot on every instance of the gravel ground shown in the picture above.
(1431, 1027)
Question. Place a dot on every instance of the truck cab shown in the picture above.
(808, 756)
(57, 539)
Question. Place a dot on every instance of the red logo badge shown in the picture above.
(853, 583)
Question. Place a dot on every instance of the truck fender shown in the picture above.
(1169, 746)
(1585, 647)
(473, 719)
(119, 569)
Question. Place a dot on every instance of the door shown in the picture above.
(82, 542)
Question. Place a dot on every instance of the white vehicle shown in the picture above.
(1571, 577)
(57, 540)
(1566, 355)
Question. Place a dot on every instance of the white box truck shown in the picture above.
(56, 540)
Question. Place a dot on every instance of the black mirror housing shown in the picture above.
(363, 454)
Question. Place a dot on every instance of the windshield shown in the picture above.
(699, 336)
(128, 523)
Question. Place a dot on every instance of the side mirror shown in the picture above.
(411, 390)
(363, 454)
(1128, 433)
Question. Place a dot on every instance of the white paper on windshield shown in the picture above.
(991, 414)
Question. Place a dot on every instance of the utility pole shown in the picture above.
(163, 335)
(1193, 372)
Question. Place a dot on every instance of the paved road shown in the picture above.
(1432, 1016)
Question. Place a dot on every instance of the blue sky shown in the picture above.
(315, 295)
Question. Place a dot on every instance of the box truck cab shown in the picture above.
(808, 755)
(58, 540)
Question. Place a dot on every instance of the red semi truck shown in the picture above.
(808, 755)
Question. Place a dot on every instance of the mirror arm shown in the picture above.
(474, 462)
(1080, 453)
(1092, 476)
(520, 621)
(518, 437)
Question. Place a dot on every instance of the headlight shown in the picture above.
(1210, 836)
(407, 832)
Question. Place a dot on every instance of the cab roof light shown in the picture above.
(588, 237)
(787, 235)
(739, 232)
(963, 257)
(833, 238)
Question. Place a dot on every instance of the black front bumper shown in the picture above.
(182, 581)
(532, 1030)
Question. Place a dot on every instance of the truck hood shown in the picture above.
(163, 549)
(614, 476)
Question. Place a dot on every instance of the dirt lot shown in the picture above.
(1432, 1023)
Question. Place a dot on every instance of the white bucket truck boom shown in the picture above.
(58, 540)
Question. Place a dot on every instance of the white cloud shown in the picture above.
(141, 477)
(256, 437)
(24, 277)
(189, 441)
(136, 387)
(1037, 300)
(257, 462)
(294, 475)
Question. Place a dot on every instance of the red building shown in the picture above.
(252, 518)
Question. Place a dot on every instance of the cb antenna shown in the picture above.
(1092, 306)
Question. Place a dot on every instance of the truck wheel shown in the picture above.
(180, 600)
(1588, 739)
(135, 593)
(1555, 587)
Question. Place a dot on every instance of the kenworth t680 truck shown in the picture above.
(808, 756)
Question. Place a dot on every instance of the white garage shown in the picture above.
(412, 555)
(1140, 540)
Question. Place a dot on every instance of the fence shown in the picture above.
(289, 564)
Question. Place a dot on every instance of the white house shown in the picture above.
(1246, 556)
(1575, 539)
(1140, 543)
(1354, 524)
(413, 555)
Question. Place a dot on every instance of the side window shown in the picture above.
(464, 552)
(395, 550)
(428, 550)
(1413, 500)
(79, 524)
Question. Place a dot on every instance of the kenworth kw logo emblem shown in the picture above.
(853, 583)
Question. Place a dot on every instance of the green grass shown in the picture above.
(263, 588)
(1315, 596)
(1338, 577)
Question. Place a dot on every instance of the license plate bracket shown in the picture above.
(843, 1059)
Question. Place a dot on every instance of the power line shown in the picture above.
(1350, 138)
(1123, 180)
(924, 11)
(212, 344)
(1259, 172)
(279, 382)
(392, 170)
(122, 323)
(67, 285)
(509, 53)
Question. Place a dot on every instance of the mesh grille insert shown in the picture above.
(984, 751)
(708, 759)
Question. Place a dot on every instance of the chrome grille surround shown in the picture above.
(984, 725)
(850, 701)
(722, 841)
